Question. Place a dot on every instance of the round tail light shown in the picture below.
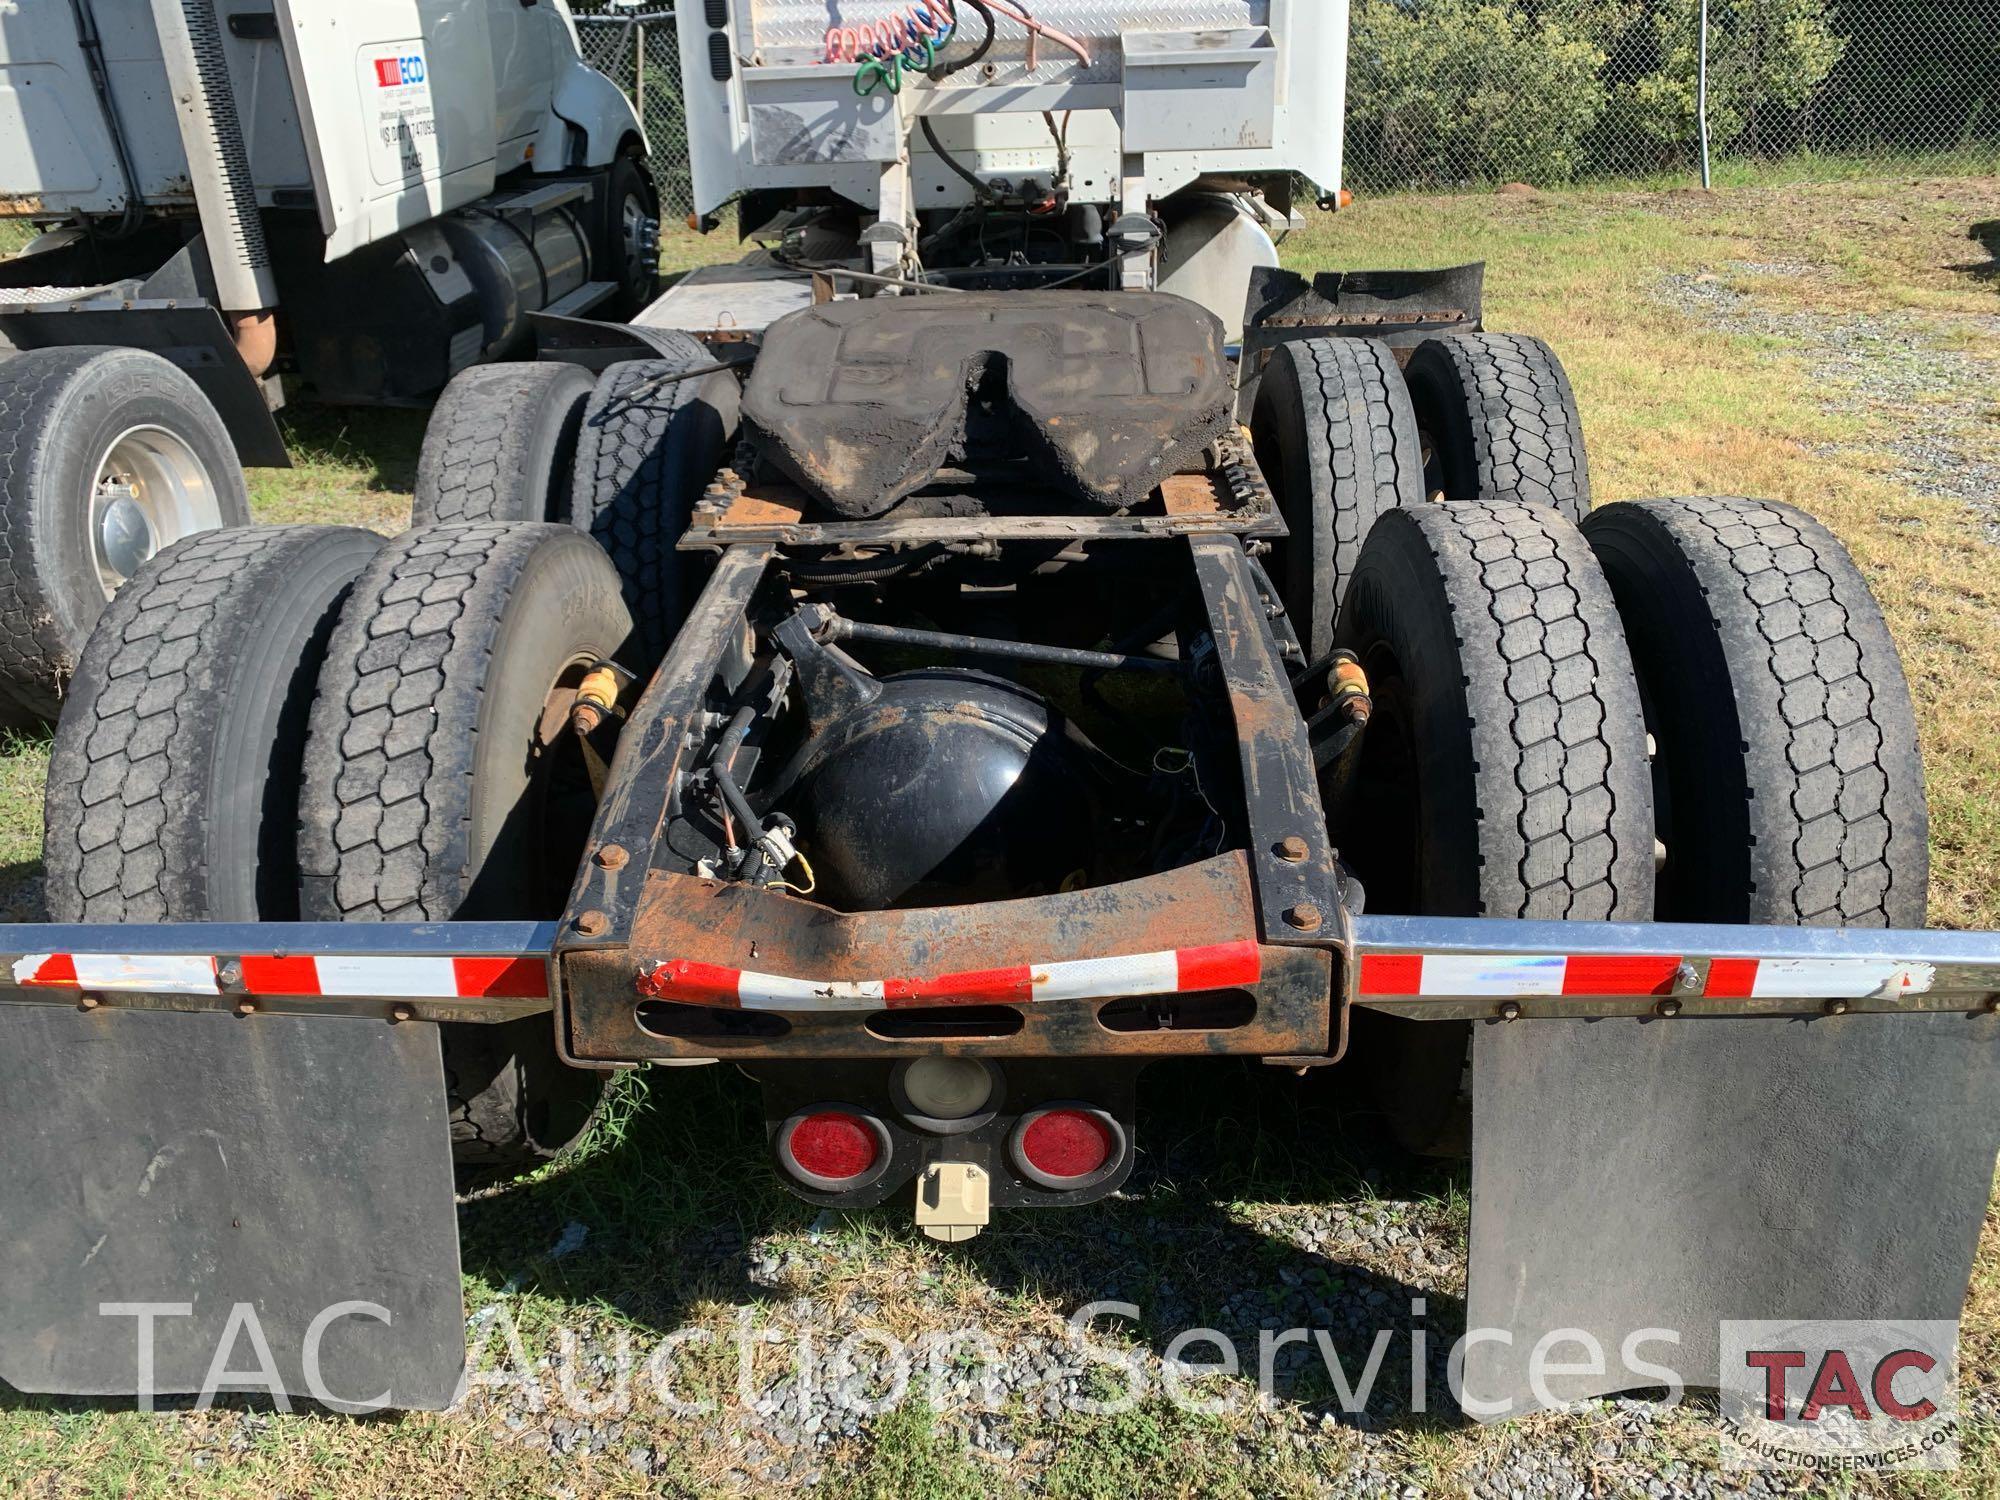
(1067, 1146)
(834, 1148)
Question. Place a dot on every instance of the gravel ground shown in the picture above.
(1376, 1258)
(1900, 362)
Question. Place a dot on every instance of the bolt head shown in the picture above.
(246, 1006)
(612, 857)
(1292, 849)
(403, 1013)
(593, 923)
(1838, 1007)
(88, 1002)
(230, 973)
(1305, 917)
(1510, 1010)
(1667, 1008)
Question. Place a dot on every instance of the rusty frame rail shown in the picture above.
(621, 1012)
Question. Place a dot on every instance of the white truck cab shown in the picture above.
(352, 199)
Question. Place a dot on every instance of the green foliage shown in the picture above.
(1545, 91)
(1766, 57)
(1456, 89)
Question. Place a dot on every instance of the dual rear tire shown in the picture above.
(307, 722)
(623, 456)
(1344, 436)
(1685, 710)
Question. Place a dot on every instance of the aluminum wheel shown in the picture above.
(638, 236)
(150, 490)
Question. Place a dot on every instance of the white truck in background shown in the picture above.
(363, 197)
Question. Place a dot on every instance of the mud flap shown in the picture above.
(1631, 1175)
(207, 1163)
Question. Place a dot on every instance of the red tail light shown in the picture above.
(1067, 1146)
(833, 1148)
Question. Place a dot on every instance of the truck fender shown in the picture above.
(590, 102)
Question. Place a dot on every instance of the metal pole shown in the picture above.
(1701, 100)
(639, 69)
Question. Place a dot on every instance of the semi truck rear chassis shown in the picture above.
(941, 790)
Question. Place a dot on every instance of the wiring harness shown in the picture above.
(913, 39)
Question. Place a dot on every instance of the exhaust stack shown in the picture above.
(219, 166)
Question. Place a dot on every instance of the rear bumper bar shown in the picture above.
(1421, 967)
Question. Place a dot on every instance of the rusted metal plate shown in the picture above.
(1292, 1019)
(1230, 496)
(982, 528)
(780, 508)
(861, 403)
(737, 925)
(1298, 900)
(1193, 495)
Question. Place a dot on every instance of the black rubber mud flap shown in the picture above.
(1632, 1175)
(206, 1161)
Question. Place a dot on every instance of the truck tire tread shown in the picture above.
(640, 466)
(222, 632)
(1783, 713)
(1339, 441)
(500, 445)
(1504, 403)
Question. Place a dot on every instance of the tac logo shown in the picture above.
(394, 72)
(1840, 1396)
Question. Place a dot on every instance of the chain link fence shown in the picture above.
(1451, 94)
(1464, 93)
(639, 50)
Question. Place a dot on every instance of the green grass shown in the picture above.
(675, 1183)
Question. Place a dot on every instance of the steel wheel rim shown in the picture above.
(635, 229)
(148, 491)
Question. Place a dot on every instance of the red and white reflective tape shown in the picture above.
(348, 976)
(1175, 971)
(1614, 977)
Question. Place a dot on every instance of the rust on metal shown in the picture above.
(595, 700)
(1194, 494)
(737, 925)
(767, 505)
(1371, 319)
(1350, 691)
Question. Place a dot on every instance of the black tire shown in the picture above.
(1792, 786)
(633, 263)
(501, 445)
(1499, 422)
(429, 794)
(1504, 772)
(61, 411)
(1337, 438)
(173, 788)
(641, 464)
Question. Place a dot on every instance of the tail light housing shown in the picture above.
(834, 1148)
(1065, 1147)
